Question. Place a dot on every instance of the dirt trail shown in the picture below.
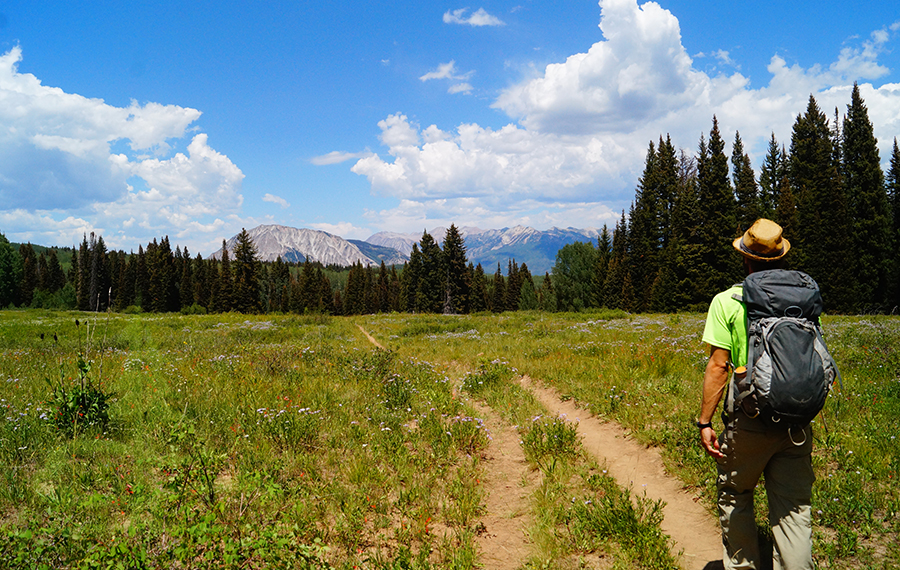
(508, 484)
(505, 545)
(370, 337)
(692, 528)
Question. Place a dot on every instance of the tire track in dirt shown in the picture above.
(694, 531)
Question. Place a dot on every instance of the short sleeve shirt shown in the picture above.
(726, 325)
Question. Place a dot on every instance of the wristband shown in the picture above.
(704, 426)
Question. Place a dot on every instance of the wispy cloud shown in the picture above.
(337, 157)
(276, 200)
(448, 71)
(460, 88)
(478, 18)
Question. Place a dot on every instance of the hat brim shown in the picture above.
(738, 243)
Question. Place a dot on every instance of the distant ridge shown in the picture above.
(297, 245)
(526, 245)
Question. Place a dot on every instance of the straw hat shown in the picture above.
(763, 241)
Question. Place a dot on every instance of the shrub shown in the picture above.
(81, 405)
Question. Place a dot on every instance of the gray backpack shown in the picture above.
(789, 370)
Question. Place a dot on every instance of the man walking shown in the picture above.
(748, 447)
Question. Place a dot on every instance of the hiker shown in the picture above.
(749, 446)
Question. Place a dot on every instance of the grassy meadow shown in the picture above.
(170, 441)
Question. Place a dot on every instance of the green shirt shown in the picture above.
(726, 325)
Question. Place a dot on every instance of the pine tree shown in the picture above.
(29, 279)
(127, 284)
(717, 221)
(746, 192)
(478, 298)
(869, 206)
(326, 294)
(615, 275)
(572, 276)
(821, 211)
(281, 278)
(684, 258)
(82, 286)
(547, 295)
(394, 291)
(456, 276)
(409, 281)
(382, 289)
(201, 282)
(892, 183)
(42, 272)
(601, 266)
(786, 214)
(513, 286)
(644, 236)
(186, 284)
(142, 280)
(354, 296)
(246, 271)
(431, 287)
(771, 176)
(225, 298)
(498, 292)
(667, 189)
(10, 273)
(56, 278)
(528, 299)
(163, 280)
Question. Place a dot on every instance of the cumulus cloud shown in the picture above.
(478, 18)
(58, 156)
(580, 128)
(276, 200)
(511, 162)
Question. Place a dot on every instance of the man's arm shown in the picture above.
(715, 379)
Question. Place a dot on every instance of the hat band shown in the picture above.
(747, 250)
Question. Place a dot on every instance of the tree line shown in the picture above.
(159, 279)
(827, 190)
(671, 251)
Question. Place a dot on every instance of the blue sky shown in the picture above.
(143, 119)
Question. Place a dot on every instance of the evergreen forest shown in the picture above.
(671, 251)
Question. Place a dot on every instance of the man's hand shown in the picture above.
(710, 442)
(715, 379)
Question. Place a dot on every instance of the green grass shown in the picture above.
(290, 441)
(231, 440)
(645, 372)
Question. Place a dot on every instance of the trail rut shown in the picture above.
(695, 532)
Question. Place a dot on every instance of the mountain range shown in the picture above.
(526, 245)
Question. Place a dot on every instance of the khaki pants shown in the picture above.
(751, 450)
